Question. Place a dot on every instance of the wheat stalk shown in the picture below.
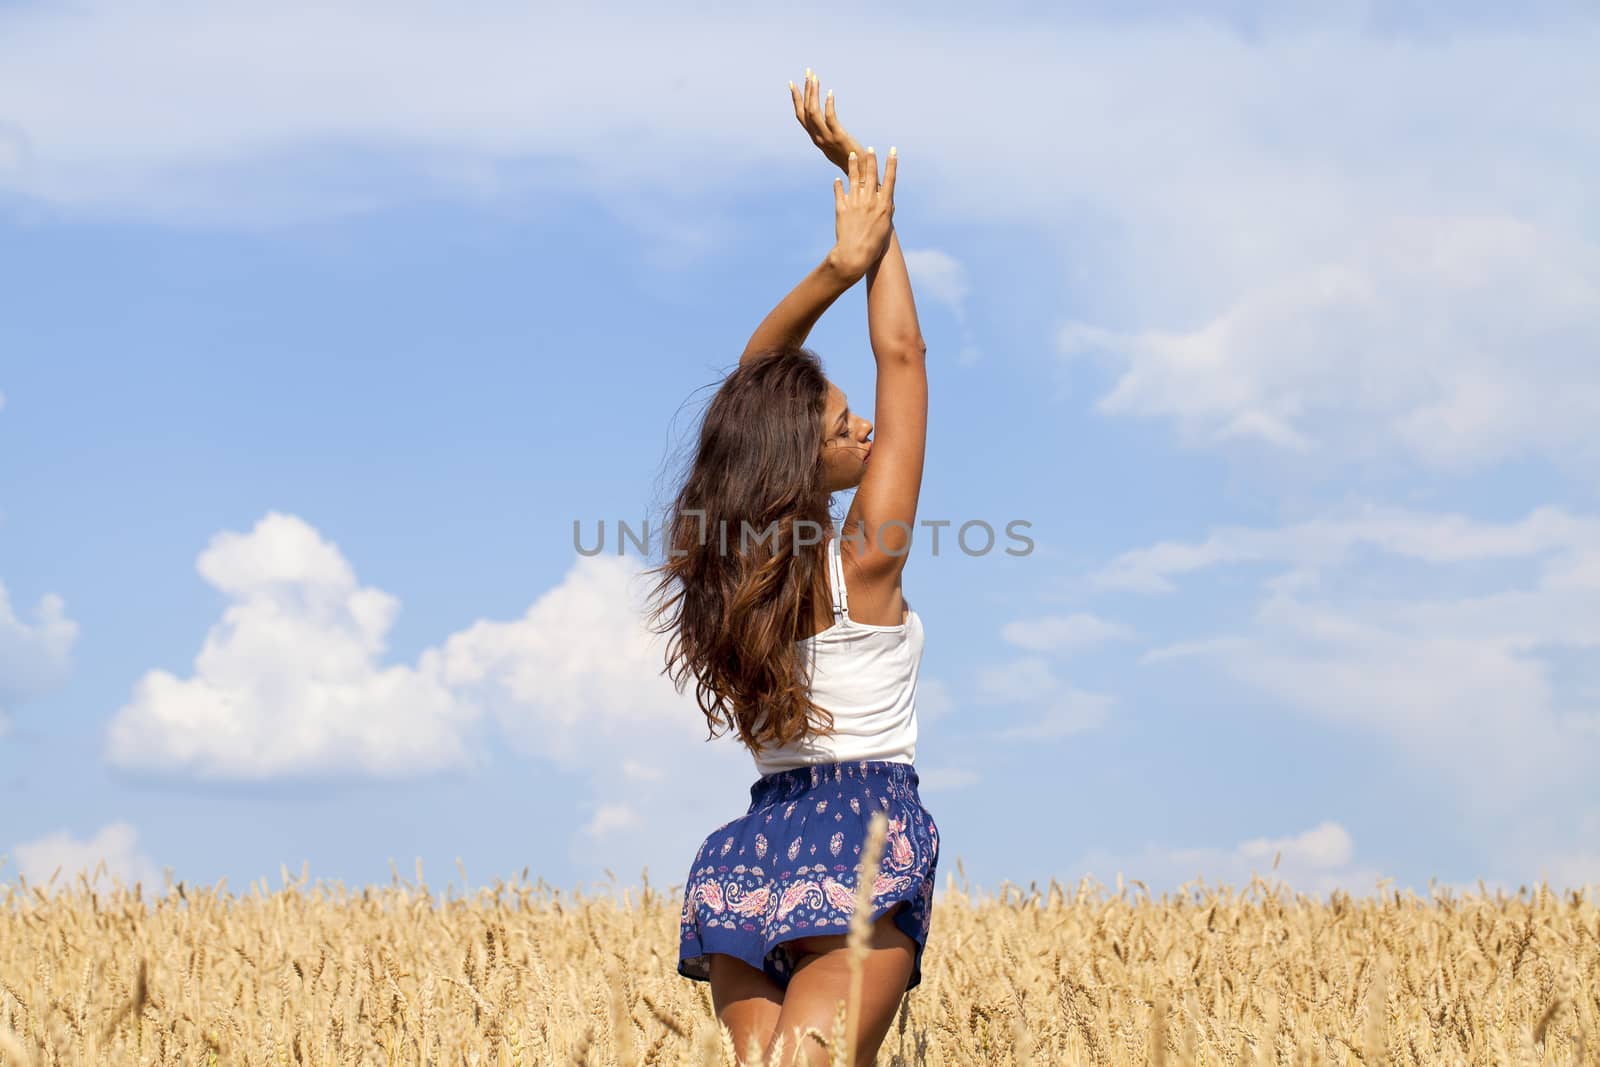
(860, 937)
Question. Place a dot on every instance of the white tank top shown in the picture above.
(866, 675)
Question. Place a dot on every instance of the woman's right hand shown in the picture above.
(863, 213)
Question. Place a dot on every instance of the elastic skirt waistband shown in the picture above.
(892, 778)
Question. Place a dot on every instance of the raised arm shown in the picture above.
(791, 321)
(885, 504)
(884, 510)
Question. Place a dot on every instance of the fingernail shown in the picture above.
(869, 150)
(891, 150)
(852, 155)
(830, 94)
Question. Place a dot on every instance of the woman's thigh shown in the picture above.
(821, 979)
(746, 1001)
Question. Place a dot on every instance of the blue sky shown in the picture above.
(323, 328)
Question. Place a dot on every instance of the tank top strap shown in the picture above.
(841, 595)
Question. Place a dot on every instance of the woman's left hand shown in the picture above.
(824, 128)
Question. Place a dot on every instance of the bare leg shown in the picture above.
(746, 1001)
(821, 979)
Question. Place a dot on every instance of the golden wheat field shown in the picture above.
(520, 973)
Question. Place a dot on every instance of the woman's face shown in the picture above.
(845, 442)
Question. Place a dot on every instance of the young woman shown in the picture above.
(800, 639)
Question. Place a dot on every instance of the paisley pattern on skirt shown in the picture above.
(787, 868)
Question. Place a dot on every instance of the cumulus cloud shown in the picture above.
(1315, 861)
(578, 670)
(576, 683)
(34, 656)
(291, 681)
(64, 857)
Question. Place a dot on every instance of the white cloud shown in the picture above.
(1068, 712)
(1054, 708)
(578, 671)
(942, 276)
(1453, 661)
(1572, 871)
(576, 682)
(1323, 846)
(1460, 704)
(1016, 681)
(934, 701)
(115, 845)
(1464, 646)
(290, 681)
(1579, 863)
(944, 779)
(1435, 538)
(1457, 340)
(34, 656)
(1257, 275)
(1063, 633)
(642, 772)
(1315, 861)
(939, 274)
(608, 818)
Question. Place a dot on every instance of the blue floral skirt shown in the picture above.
(786, 869)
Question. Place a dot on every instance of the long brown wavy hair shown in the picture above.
(734, 614)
